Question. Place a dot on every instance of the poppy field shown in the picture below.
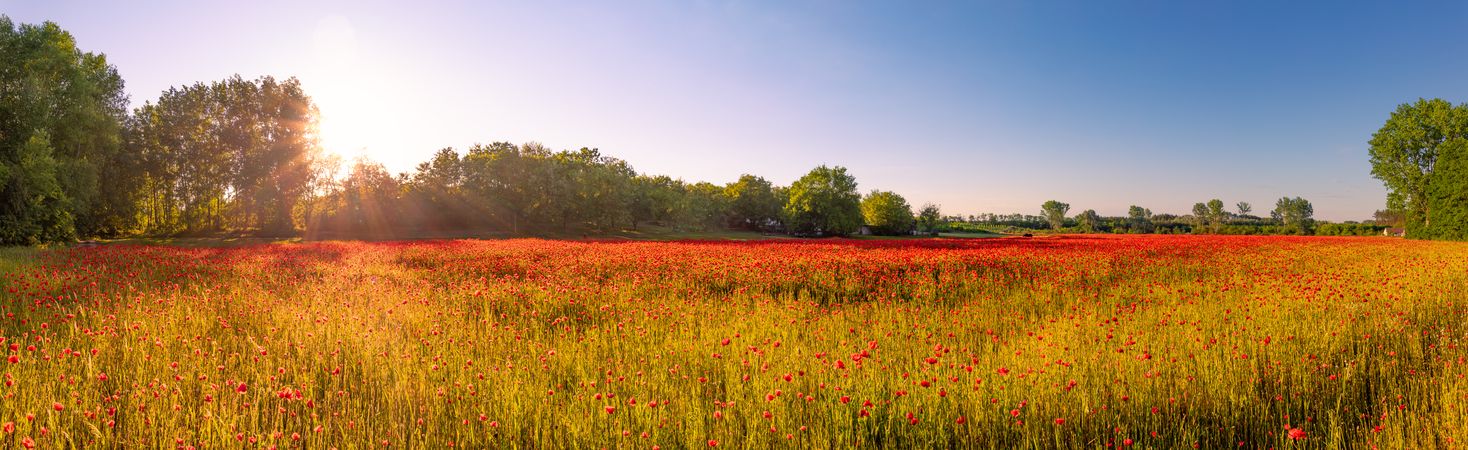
(1064, 342)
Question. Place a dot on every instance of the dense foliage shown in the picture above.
(824, 202)
(61, 110)
(887, 213)
(231, 155)
(1418, 154)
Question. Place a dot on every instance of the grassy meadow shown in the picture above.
(1053, 342)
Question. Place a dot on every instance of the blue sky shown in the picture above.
(977, 106)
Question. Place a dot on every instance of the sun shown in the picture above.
(346, 123)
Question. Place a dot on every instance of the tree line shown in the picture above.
(529, 188)
(1293, 216)
(243, 155)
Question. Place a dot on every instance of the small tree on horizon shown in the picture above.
(1216, 215)
(929, 218)
(1296, 214)
(1141, 219)
(1088, 220)
(1054, 213)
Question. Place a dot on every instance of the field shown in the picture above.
(1063, 342)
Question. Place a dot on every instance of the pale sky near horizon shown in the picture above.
(979, 106)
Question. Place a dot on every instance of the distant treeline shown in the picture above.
(243, 156)
(1291, 216)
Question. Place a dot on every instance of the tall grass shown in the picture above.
(1149, 342)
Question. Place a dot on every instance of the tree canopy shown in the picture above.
(824, 202)
(929, 218)
(1404, 156)
(61, 112)
(1054, 213)
(1295, 213)
(887, 213)
(232, 154)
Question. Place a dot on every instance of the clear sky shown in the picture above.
(977, 106)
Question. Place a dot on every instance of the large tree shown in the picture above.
(233, 154)
(703, 207)
(887, 213)
(1054, 213)
(753, 204)
(61, 111)
(824, 202)
(1216, 215)
(1405, 152)
(1296, 214)
(1088, 220)
(1140, 219)
(1447, 196)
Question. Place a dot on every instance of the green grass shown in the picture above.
(16, 258)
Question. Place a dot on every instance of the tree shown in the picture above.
(367, 203)
(1295, 214)
(753, 204)
(887, 213)
(1088, 220)
(1404, 153)
(1140, 218)
(436, 188)
(1244, 208)
(824, 202)
(703, 206)
(1216, 214)
(929, 218)
(1447, 196)
(231, 154)
(1200, 215)
(61, 113)
(1054, 213)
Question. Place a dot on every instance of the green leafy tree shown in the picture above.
(61, 113)
(1140, 219)
(824, 202)
(887, 213)
(1216, 215)
(753, 204)
(367, 203)
(1054, 213)
(234, 154)
(1405, 151)
(703, 207)
(435, 192)
(1447, 196)
(1295, 214)
(1244, 208)
(1200, 216)
(1088, 220)
(929, 218)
